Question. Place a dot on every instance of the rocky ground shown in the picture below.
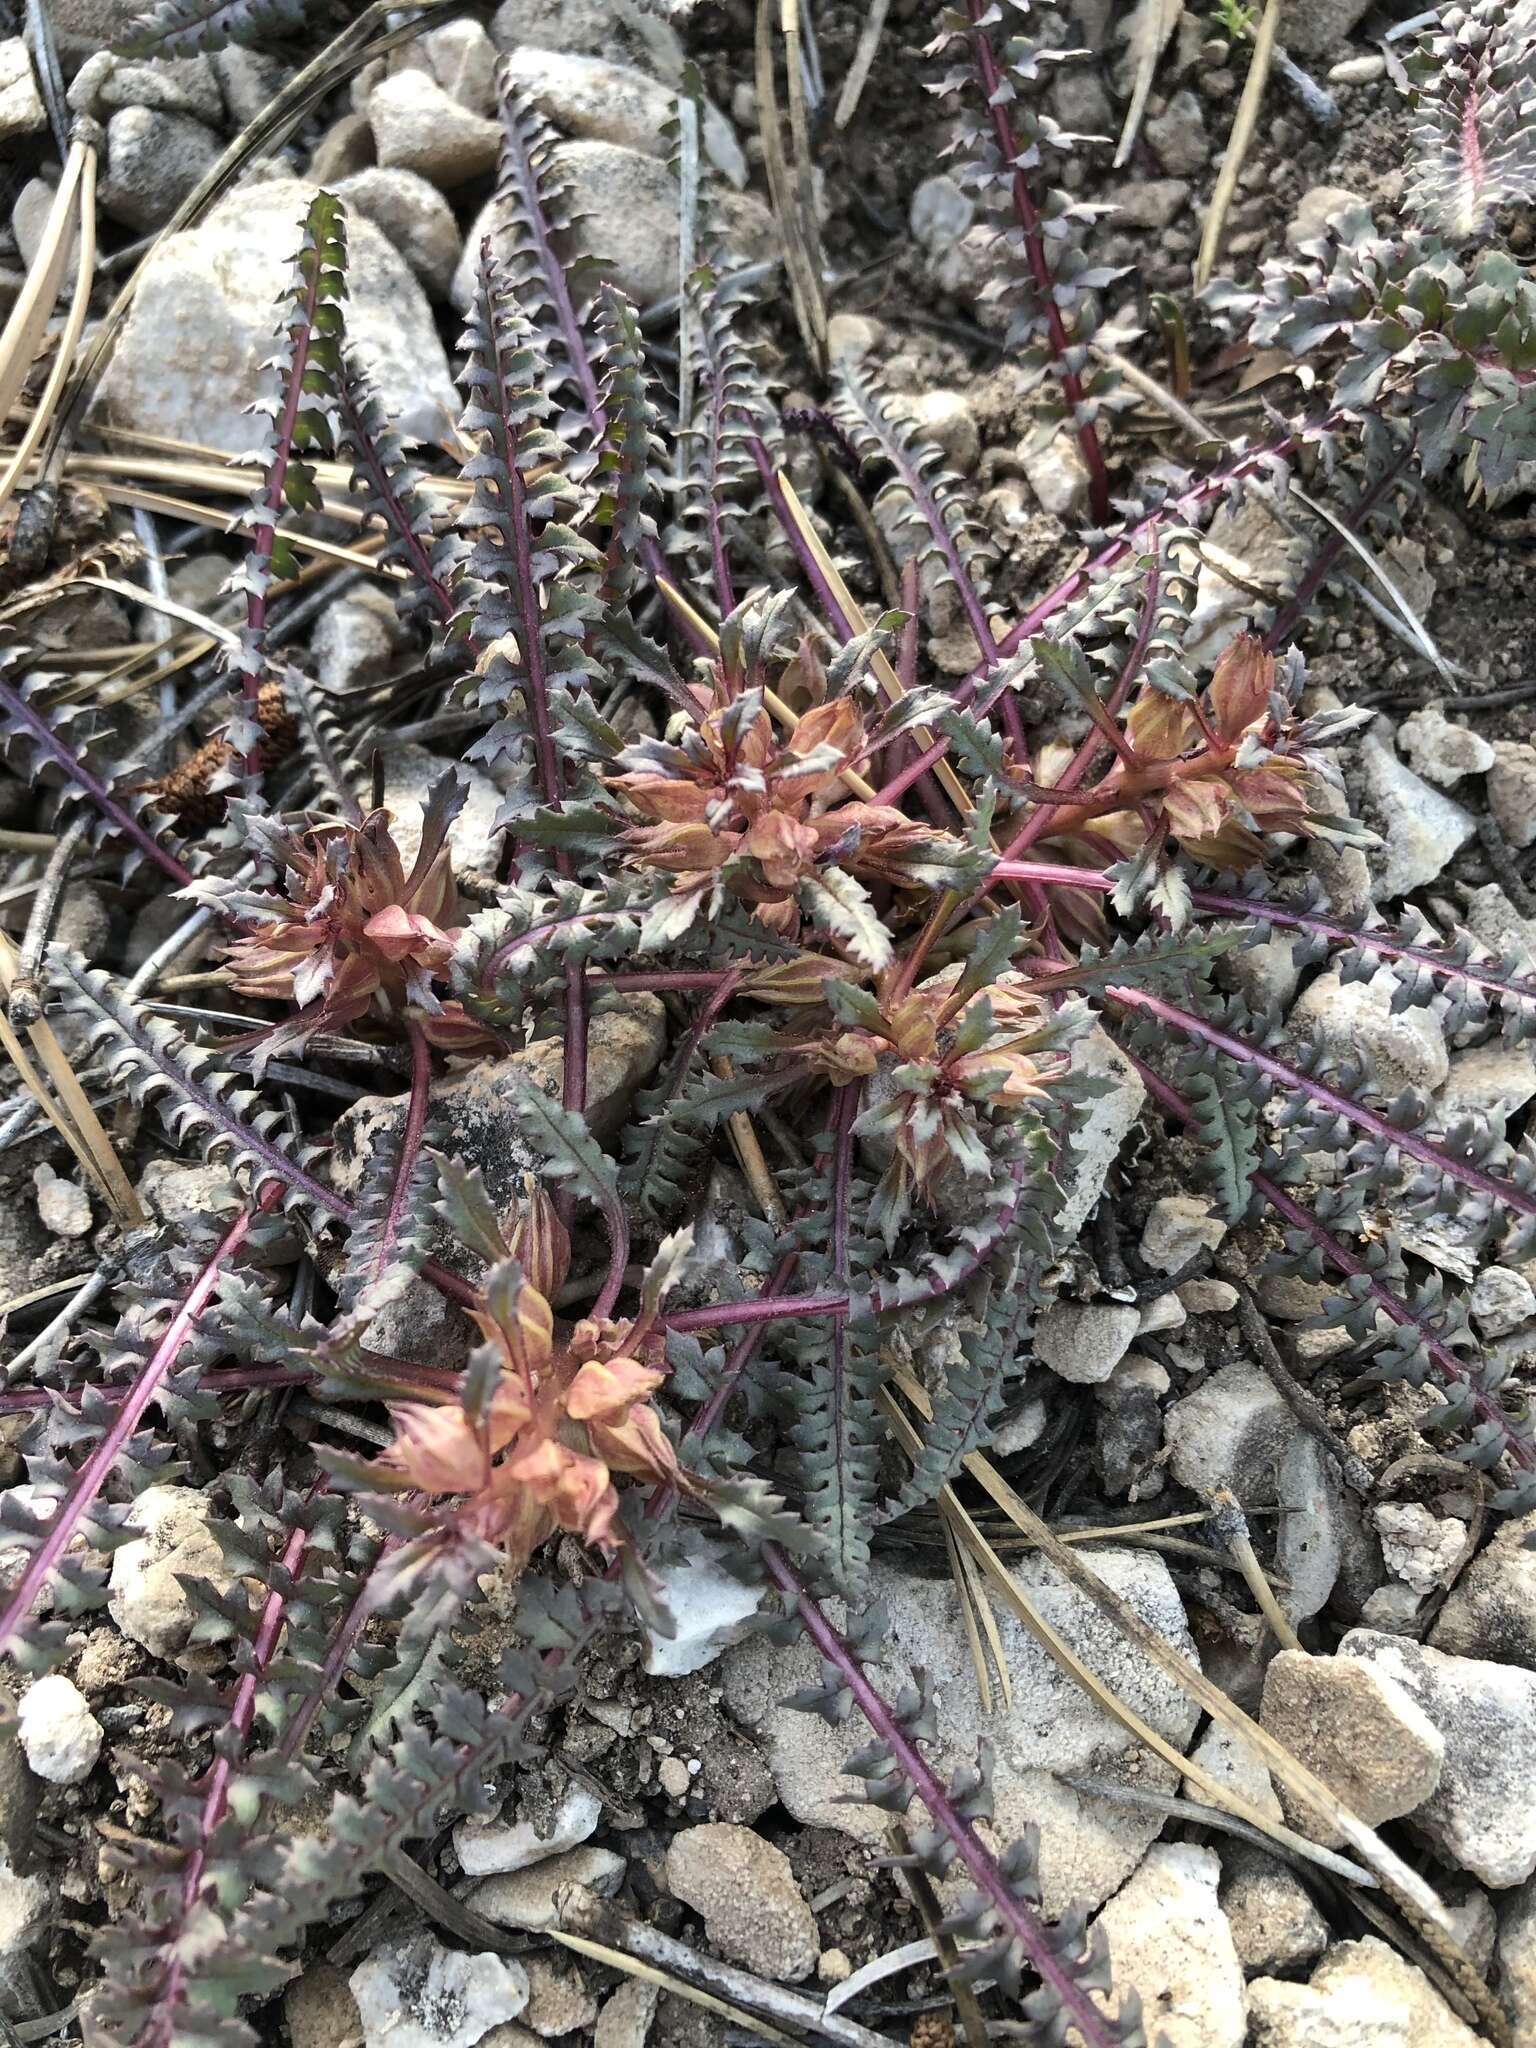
(678, 1786)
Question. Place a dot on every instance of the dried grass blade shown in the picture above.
(39, 294)
(965, 1594)
(1066, 1658)
(804, 285)
(1154, 23)
(69, 334)
(863, 62)
(79, 1124)
(1243, 125)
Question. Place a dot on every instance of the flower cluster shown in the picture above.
(1215, 771)
(353, 932)
(941, 1060)
(547, 1422)
(730, 809)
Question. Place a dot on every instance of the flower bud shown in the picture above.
(541, 1244)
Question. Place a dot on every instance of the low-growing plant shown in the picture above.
(885, 918)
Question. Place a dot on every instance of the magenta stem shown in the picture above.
(78, 773)
(1025, 211)
(1093, 2025)
(1356, 1113)
(93, 1474)
(410, 1143)
(1517, 1441)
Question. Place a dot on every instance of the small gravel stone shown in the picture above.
(673, 1775)
(559, 1998)
(745, 1892)
(321, 2011)
(1236, 1431)
(1512, 791)
(946, 419)
(1317, 207)
(21, 105)
(594, 101)
(1405, 1048)
(501, 1848)
(624, 215)
(1363, 1734)
(181, 85)
(625, 2019)
(63, 1207)
(1421, 1549)
(417, 219)
(1178, 136)
(1177, 1228)
(1357, 71)
(1150, 202)
(833, 1967)
(1321, 28)
(1517, 1960)
(1083, 1341)
(418, 1994)
(1442, 751)
(147, 1600)
(1276, 1928)
(1208, 1297)
(1057, 476)
(1362, 1995)
(1481, 1814)
(940, 213)
(419, 127)
(1421, 829)
(153, 161)
(251, 80)
(1501, 1301)
(1171, 1942)
(462, 58)
(526, 1897)
(1235, 1764)
(357, 638)
(850, 337)
(1495, 1079)
(59, 1734)
(709, 1606)
(1097, 1136)
(1491, 1610)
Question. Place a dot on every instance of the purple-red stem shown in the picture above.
(301, 330)
(1028, 217)
(1093, 2025)
(410, 1144)
(1082, 760)
(93, 1474)
(159, 2029)
(368, 455)
(40, 730)
(1487, 1184)
(1518, 1444)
